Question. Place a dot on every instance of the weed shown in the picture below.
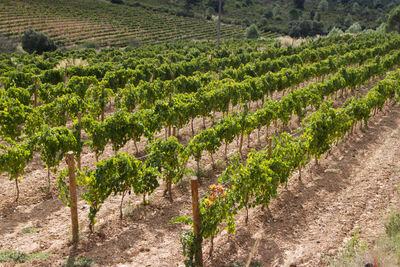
(21, 257)
(78, 262)
(29, 230)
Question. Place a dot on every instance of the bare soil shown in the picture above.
(353, 188)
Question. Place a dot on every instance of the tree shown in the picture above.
(119, 2)
(393, 23)
(37, 42)
(252, 32)
(355, 28)
(215, 4)
(305, 28)
(312, 15)
(323, 5)
(295, 14)
(7, 45)
(348, 21)
(299, 4)
(335, 31)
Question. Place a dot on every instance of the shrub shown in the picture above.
(133, 42)
(335, 31)
(119, 2)
(252, 32)
(323, 5)
(393, 23)
(91, 44)
(6, 45)
(37, 42)
(355, 28)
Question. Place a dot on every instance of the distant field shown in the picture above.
(76, 22)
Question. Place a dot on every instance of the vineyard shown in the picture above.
(76, 22)
(253, 122)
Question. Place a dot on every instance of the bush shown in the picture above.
(355, 28)
(91, 44)
(252, 32)
(37, 42)
(323, 5)
(305, 28)
(393, 23)
(119, 2)
(7, 46)
(133, 42)
(335, 31)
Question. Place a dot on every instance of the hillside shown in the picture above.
(293, 150)
(274, 15)
(76, 22)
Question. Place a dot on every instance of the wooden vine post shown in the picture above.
(196, 220)
(35, 94)
(80, 134)
(72, 193)
(102, 103)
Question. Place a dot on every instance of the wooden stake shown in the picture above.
(196, 220)
(35, 95)
(72, 194)
(80, 134)
(102, 104)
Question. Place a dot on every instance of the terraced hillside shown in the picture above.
(76, 22)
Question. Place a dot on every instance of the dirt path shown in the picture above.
(354, 188)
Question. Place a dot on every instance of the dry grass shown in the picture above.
(71, 62)
(385, 252)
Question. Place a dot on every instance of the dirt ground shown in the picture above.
(353, 188)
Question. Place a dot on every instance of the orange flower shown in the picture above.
(208, 202)
(220, 188)
(213, 196)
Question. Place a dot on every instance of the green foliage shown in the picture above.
(393, 22)
(37, 42)
(305, 28)
(214, 4)
(355, 28)
(12, 115)
(299, 4)
(7, 46)
(348, 21)
(15, 256)
(168, 158)
(252, 32)
(53, 144)
(323, 5)
(78, 262)
(392, 225)
(335, 31)
(134, 42)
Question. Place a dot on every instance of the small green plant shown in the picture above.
(21, 257)
(29, 230)
(220, 165)
(392, 225)
(13, 256)
(78, 262)
(129, 209)
(350, 250)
